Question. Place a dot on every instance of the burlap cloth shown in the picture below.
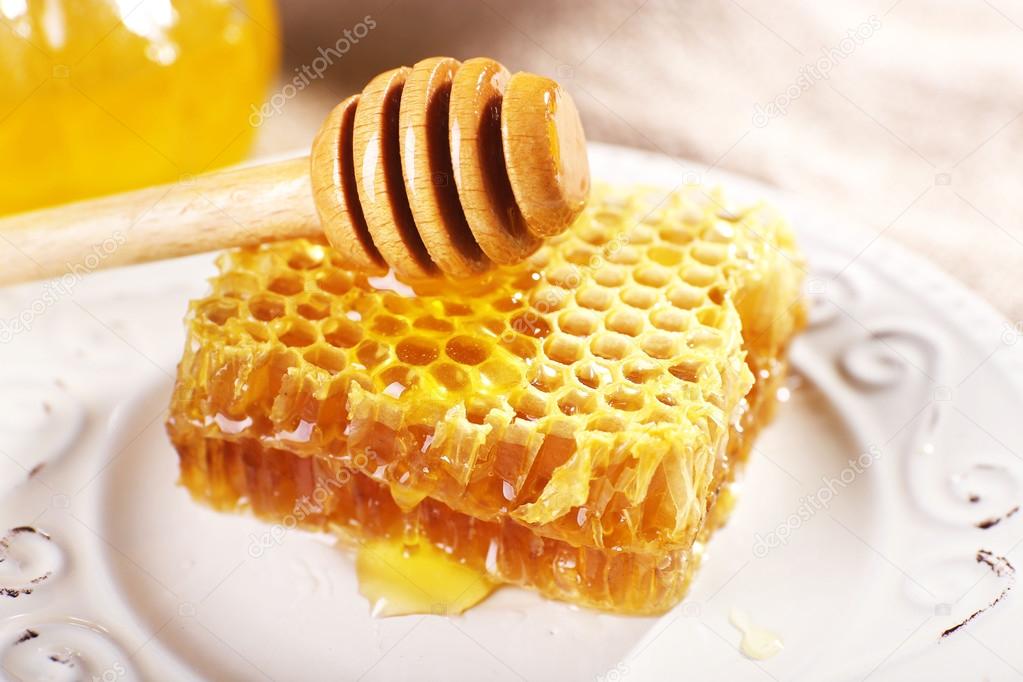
(905, 118)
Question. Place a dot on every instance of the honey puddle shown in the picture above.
(400, 579)
(757, 643)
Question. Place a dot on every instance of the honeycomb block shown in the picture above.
(323, 494)
(594, 398)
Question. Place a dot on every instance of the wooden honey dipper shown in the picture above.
(442, 168)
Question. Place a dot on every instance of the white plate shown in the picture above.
(859, 575)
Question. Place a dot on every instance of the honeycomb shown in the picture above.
(566, 424)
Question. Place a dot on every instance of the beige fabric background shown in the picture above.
(915, 134)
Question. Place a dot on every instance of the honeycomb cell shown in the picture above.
(610, 276)
(434, 324)
(626, 321)
(592, 233)
(334, 282)
(370, 354)
(577, 401)
(219, 312)
(709, 253)
(296, 333)
(499, 374)
(665, 255)
(547, 299)
(530, 406)
(388, 325)
(417, 350)
(687, 370)
(686, 297)
(451, 376)
(670, 319)
(453, 309)
(578, 322)
(677, 235)
(640, 234)
(286, 284)
(592, 374)
(625, 398)
(596, 298)
(660, 345)
(396, 380)
(467, 350)
(326, 358)
(314, 307)
(341, 332)
(626, 255)
(653, 275)
(546, 376)
(563, 348)
(519, 346)
(583, 255)
(640, 370)
(566, 424)
(639, 296)
(699, 275)
(566, 277)
(531, 323)
(611, 346)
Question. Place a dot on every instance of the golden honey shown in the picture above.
(566, 424)
(107, 95)
(400, 577)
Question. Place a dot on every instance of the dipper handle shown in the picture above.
(444, 168)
